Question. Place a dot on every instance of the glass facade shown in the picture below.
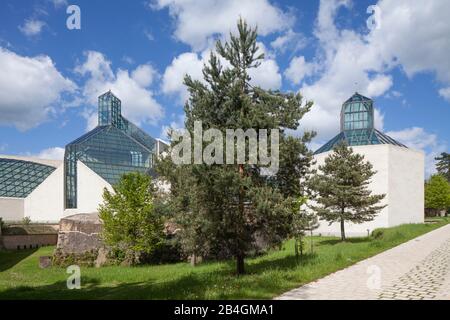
(19, 178)
(357, 125)
(114, 147)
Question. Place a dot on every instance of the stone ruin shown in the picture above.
(79, 239)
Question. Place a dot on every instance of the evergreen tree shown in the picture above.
(222, 208)
(342, 191)
(443, 165)
(437, 193)
(131, 227)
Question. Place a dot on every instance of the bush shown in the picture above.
(377, 233)
(26, 221)
(131, 226)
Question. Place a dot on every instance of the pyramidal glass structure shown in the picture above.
(357, 125)
(116, 146)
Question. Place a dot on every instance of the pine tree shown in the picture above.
(443, 165)
(437, 193)
(341, 188)
(222, 208)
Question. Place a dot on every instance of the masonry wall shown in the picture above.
(20, 242)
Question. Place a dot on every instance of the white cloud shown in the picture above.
(30, 88)
(144, 75)
(290, 40)
(197, 22)
(172, 80)
(417, 138)
(138, 103)
(32, 27)
(414, 34)
(299, 69)
(55, 153)
(445, 93)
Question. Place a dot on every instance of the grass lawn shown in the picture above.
(268, 276)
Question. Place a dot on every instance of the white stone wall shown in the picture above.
(406, 186)
(400, 175)
(11, 209)
(46, 202)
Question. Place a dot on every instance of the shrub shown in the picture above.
(26, 220)
(377, 233)
(131, 226)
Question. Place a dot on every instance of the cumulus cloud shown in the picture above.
(186, 63)
(31, 89)
(32, 27)
(445, 93)
(133, 89)
(417, 138)
(299, 69)
(219, 18)
(289, 40)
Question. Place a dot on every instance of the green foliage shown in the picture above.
(302, 221)
(443, 165)
(268, 276)
(342, 189)
(26, 220)
(131, 227)
(437, 193)
(223, 208)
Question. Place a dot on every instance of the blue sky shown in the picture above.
(50, 76)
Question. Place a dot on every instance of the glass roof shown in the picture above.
(357, 125)
(19, 178)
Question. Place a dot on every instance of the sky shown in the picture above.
(396, 53)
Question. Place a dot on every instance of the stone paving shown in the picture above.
(416, 270)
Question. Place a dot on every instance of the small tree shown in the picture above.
(443, 165)
(342, 189)
(131, 226)
(302, 221)
(437, 193)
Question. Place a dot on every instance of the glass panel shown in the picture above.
(19, 178)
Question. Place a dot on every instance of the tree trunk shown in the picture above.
(342, 230)
(240, 268)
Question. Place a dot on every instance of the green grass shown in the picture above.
(268, 275)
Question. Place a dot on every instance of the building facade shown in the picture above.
(47, 190)
(399, 169)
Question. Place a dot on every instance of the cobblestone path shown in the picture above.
(416, 270)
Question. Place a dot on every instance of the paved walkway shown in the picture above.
(417, 269)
